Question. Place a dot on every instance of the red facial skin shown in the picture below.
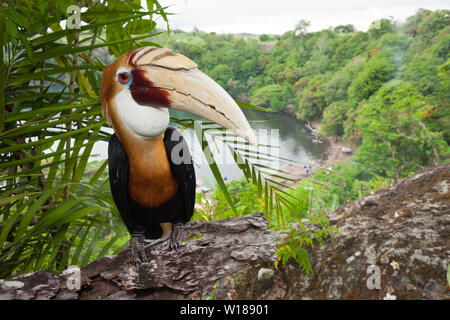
(145, 93)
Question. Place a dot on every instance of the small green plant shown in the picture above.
(315, 227)
(213, 294)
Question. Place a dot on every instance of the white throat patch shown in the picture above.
(144, 121)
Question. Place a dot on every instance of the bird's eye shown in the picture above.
(123, 77)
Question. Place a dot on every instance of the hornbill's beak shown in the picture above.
(161, 78)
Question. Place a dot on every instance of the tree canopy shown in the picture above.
(336, 75)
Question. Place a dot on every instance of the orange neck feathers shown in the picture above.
(151, 182)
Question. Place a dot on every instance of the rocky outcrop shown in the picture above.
(393, 244)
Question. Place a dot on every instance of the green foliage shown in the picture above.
(422, 73)
(348, 28)
(221, 73)
(334, 61)
(244, 195)
(264, 38)
(443, 93)
(378, 70)
(301, 237)
(352, 46)
(247, 198)
(395, 142)
(425, 24)
(336, 87)
(333, 119)
(270, 95)
(380, 27)
(204, 209)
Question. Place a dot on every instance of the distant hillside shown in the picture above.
(386, 90)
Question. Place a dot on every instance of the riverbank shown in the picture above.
(337, 152)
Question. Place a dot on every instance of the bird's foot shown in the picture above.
(137, 245)
(176, 236)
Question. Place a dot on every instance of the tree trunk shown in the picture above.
(216, 250)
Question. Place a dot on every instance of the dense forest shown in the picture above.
(386, 91)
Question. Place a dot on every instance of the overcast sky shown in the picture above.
(277, 17)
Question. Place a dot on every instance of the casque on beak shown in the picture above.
(164, 79)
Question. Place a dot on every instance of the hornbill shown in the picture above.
(155, 193)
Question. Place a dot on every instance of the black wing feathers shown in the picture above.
(118, 180)
(182, 168)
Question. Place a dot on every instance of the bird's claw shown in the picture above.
(176, 237)
(138, 256)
